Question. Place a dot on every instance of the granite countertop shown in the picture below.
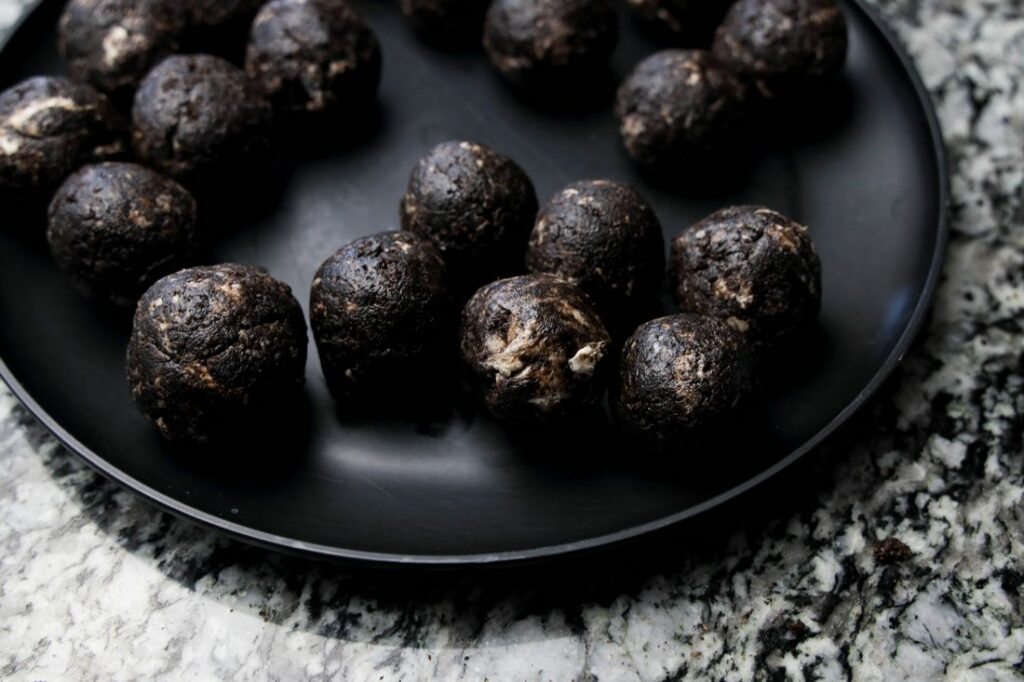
(908, 565)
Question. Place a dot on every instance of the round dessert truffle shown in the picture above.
(534, 348)
(549, 42)
(690, 21)
(476, 206)
(752, 267)
(215, 350)
(782, 44)
(112, 44)
(381, 316)
(447, 22)
(50, 126)
(197, 118)
(313, 55)
(678, 377)
(604, 237)
(115, 228)
(677, 106)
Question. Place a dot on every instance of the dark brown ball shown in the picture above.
(215, 351)
(313, 55)
(547, 42)
(381, 316)
(476, 206)
(679, 377)
(450, 23)
(678, 106)
(752, 267)
(197, 118)
(783, 44)
(534, 348)
(692, 22)
(112, 44)
(116, 228)
(604, 237)
(50, 126)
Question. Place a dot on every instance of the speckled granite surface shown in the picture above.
(909, 566)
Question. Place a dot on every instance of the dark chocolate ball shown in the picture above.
(313, 55)
(116, 228)
(197, 118)
(534, 348)
(546, 42)
(215, 350)
(678, 106)
(679, 376)
(752, 267)
(476, 206)
(690, 21)
(447, 22)
(782, 44)
(112, 44)
(381, 316)
(604, 237)
(50, 126)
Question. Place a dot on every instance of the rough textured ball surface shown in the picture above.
(782, 44)
(476, 206)
(534, 348)
(50, 126)
(677, 106)
(604, 237)
(115, 228)
(690, 21)
(545, 42)
(752, 267)
(447, 22)
(679, 376)
(313, 55)
(196, 118)
(381, 316)
(214, 350)
(112, 44)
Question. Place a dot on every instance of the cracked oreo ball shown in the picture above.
(476, 206)
(549, 42)
(679, 376)
(112, 44)
(752, 267)
(381, 316)
(115, 228)
(313, 56)
(50, 126)
(605, 238)
(690, 21)
(452, 23)
(197, 119)
(783, 44)
(215, 351)
(678, 106)
(534, 348)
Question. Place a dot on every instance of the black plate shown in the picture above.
(871, 182)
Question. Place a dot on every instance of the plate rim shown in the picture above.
(288, 545)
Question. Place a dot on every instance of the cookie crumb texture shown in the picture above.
(550, 42)
(215, 350)
(381, 316)
(534, 348)
(313, 55)
(49, 126)
(115, 228)
(692, 22)
(452, 23)
(752, 267)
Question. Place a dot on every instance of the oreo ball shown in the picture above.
(197, 119)
(676, 107)
(49, 126)
(450, 23)
(534, 348)
(550, 42)
(382, 318)
(476, 206)
(216, 352)
(313, 56)
(115, 228)
(752, 267)
(604, 237)
(680, 377)
(692, 22)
